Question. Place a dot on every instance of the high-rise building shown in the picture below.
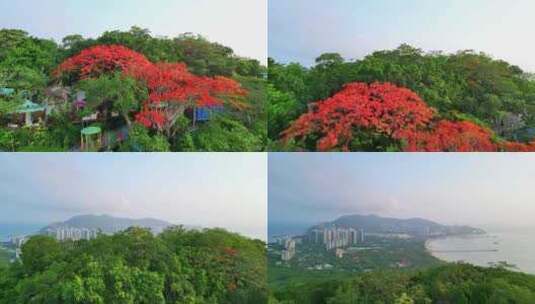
(336, 237)
(316, 235)
(361, 238)
(289, 250)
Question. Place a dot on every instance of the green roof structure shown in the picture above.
(91, 131)
(29, 106)
(91, 138)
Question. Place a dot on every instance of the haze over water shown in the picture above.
(513, 246)
(9, 230)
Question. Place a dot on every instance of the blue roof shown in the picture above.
(206, 113)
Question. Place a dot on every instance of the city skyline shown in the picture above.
(56, 19)
(200, 190)
(492, 190)
(357, 28)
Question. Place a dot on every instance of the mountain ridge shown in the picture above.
(108, 224)
(414, 226)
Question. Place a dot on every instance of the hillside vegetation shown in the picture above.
(448, 284)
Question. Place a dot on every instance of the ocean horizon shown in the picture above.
(8, 230)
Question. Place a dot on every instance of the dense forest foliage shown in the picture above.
(37, 70)
(448, 284)
(467, 92)
(134, 266)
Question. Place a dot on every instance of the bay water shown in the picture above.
(513, 246)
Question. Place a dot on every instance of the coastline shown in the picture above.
(430, 252)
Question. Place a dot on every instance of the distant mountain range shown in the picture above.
(108, 224)
(413, 226)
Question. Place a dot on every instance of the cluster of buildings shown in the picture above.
(336, 237)
(289, 250)
(71, 233)
(60, 233)
(333, 238)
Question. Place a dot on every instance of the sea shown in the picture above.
(513, 246)
(8, 230)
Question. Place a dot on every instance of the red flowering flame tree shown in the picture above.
(383, 109)
(398, 114)
(172, 88)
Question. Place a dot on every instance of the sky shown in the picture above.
(240, 24)
(486, 190)
(227, 190)
(301, 30)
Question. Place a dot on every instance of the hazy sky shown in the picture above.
(300, 30)
(240, 24)
(226, 190)
(485, 189)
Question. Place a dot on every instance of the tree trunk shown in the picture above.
(173, 114)
(128, 121)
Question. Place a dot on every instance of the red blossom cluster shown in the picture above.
(379, 107)
(445, 135)
(100, 59)
(150, 118)
(396, 113)
(171, 86)
(173, 82)
(518, 147)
